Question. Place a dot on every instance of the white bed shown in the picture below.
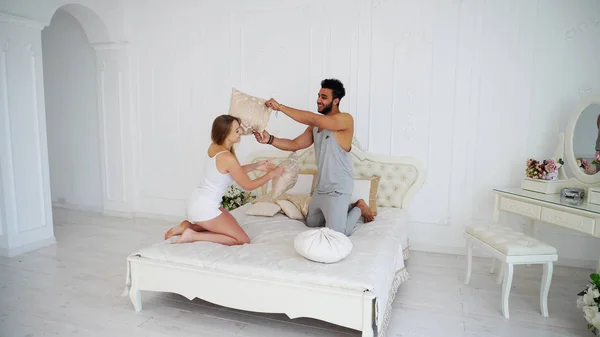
(268, 275)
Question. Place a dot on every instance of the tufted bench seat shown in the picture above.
(511, 247)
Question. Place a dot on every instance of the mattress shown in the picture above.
(371, 265)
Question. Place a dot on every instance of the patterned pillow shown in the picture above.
(285, 182)
(251, 110)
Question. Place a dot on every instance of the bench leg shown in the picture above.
(469, 261)
(507, 270)
(545, 288)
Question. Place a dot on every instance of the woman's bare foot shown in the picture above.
(187, 236)
(365, 211)
(178, 230)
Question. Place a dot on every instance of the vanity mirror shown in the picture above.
(581, 141)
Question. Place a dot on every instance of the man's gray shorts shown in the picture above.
(334, 211)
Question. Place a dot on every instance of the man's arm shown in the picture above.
(337, 122)
(301, 142)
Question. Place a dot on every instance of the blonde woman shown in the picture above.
(206, 219)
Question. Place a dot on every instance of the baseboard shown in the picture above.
(164, 217)
(12, 252)
(450, 250)
(83, 208)
(118, 214)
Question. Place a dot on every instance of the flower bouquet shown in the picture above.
(235, 197)
(545, 170)
(586, 166)
(589, 302)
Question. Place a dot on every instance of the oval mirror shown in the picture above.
(583, 142)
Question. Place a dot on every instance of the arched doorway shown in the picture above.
(72, 119)
(26, 221)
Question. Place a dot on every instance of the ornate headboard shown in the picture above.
(401, 177)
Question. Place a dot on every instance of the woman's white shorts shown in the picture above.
(202, 208)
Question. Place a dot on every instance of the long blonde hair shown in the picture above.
(221, 128)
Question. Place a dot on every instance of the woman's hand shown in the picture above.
(277, 172)
(265, 165)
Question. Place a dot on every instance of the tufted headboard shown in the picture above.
(401, 177)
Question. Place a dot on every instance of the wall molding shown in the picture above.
(21, 21)
(102, 46)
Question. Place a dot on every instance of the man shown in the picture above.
(332, 133)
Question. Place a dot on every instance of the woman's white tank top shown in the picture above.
(214, 183)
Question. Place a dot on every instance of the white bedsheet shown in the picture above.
(371, 265)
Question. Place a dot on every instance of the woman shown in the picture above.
(207, 220)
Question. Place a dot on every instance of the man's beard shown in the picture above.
(326, 109)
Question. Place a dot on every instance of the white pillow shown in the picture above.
(362, 190)
(290, 209)
(323, 245)
(303, 185)
(263, 209)
(366, 188)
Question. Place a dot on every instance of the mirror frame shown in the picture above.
(569, 133)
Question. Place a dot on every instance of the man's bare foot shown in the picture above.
(177, 230)
(187, 236)
(365, 211)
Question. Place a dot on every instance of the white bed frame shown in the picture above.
(401, 178)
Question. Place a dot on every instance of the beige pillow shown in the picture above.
(290, 209)
(366, 188)
(263, 209)
(251, 110)
(300, 201)
(286, 181)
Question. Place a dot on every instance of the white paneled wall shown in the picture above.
(472, 88)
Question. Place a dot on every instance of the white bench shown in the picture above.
(511, 247)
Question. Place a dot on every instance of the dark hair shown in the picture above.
(336, 87)
(221, 128)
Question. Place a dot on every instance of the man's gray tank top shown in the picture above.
(334, 163)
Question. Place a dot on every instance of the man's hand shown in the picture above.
(273, 104)
(262, 138)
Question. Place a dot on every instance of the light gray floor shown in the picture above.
(73, 289)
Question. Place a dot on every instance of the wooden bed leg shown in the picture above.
(136, 299)
(368, 314)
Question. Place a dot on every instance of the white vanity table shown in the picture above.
(548, 208)
(577, 143)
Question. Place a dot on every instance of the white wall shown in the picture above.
(471, 88)
(71, 114)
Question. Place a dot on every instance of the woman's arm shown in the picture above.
(250, 167)
(232, 165)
